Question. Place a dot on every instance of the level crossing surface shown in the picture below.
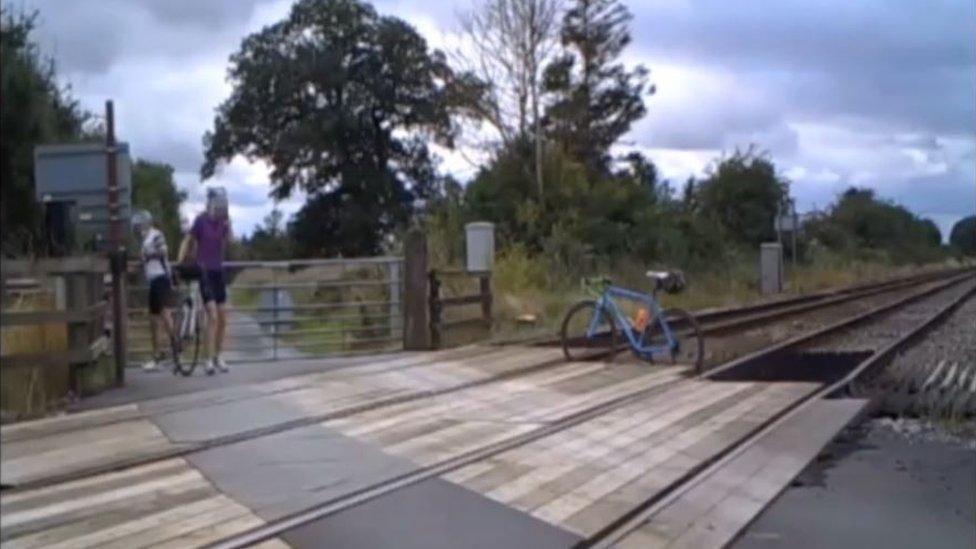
(193, 469)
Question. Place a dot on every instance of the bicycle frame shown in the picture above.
(606, 303)
(189, 320)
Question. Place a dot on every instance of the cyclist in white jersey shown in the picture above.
(158, 274)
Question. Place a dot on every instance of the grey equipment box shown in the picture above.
(76, 174)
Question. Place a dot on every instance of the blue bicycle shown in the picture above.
(590, 328)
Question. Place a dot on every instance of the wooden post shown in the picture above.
(485, 283)
(395, 305)
(416, 322)
(434, 303)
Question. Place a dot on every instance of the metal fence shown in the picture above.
(297, 309)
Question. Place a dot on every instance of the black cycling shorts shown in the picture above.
(159, 294)
(213, 288)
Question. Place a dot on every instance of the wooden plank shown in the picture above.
(86, 486)
(89, 520)
(38, 446)
(561, 447)
(445, 404)
(74, 460)
(466, 404)
(216, 532)
(478, 322)
(713, 510)
(66, 316)
(103, 536)
(583, 447)
(12, 523)
(49, 266)
(633, 473)
(233, 516)
(58, 424)
(460, 300)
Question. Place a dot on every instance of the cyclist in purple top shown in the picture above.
(207, 240)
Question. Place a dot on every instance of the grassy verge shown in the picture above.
(525, 285)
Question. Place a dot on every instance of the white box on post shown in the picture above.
(480, 240)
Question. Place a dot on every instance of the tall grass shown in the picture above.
(532, 285)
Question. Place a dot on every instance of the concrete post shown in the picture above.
(771, 268)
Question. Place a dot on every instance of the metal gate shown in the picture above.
(297, 309)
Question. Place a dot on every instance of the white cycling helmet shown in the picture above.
(141, 220)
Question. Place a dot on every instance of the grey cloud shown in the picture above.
(904, 63)
(248, 196)
(89, 37)
(205, 13)
(803, 35)
(183, 155)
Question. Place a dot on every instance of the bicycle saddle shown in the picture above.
(658, 275)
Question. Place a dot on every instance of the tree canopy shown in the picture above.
(743, 192)
(341, 102)
(860, 220)
(36, 110)
(154, 189)
(597, 97)
(963, 235)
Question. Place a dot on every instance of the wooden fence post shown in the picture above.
(416, 320)
(434, 303)
(485, 283)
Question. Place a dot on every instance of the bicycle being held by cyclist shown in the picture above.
(200, 320)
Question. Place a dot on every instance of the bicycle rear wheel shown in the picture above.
(577, 344)
(689, 344)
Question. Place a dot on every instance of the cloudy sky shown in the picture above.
(870, 93)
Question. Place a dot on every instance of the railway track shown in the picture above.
(487, 380)
(618, 530)
(894, 329)
(381, 387)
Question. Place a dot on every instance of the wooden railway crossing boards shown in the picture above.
(197, 469)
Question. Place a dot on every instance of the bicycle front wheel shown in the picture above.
(687, 346)
(189, 344)
(579, 343)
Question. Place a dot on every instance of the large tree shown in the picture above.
(155, 190)
(341, 102)
(508, 43)
(742, 192)
(35, 110)
(597, 97)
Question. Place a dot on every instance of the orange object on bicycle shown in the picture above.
(640, 320)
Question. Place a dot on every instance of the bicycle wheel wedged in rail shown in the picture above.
(577, 345)
(684, 327)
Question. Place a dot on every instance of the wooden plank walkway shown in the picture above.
(585, 477)
(99, 440)
(712, 511)
(431, 430)
(165, 504)
(580, 478)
